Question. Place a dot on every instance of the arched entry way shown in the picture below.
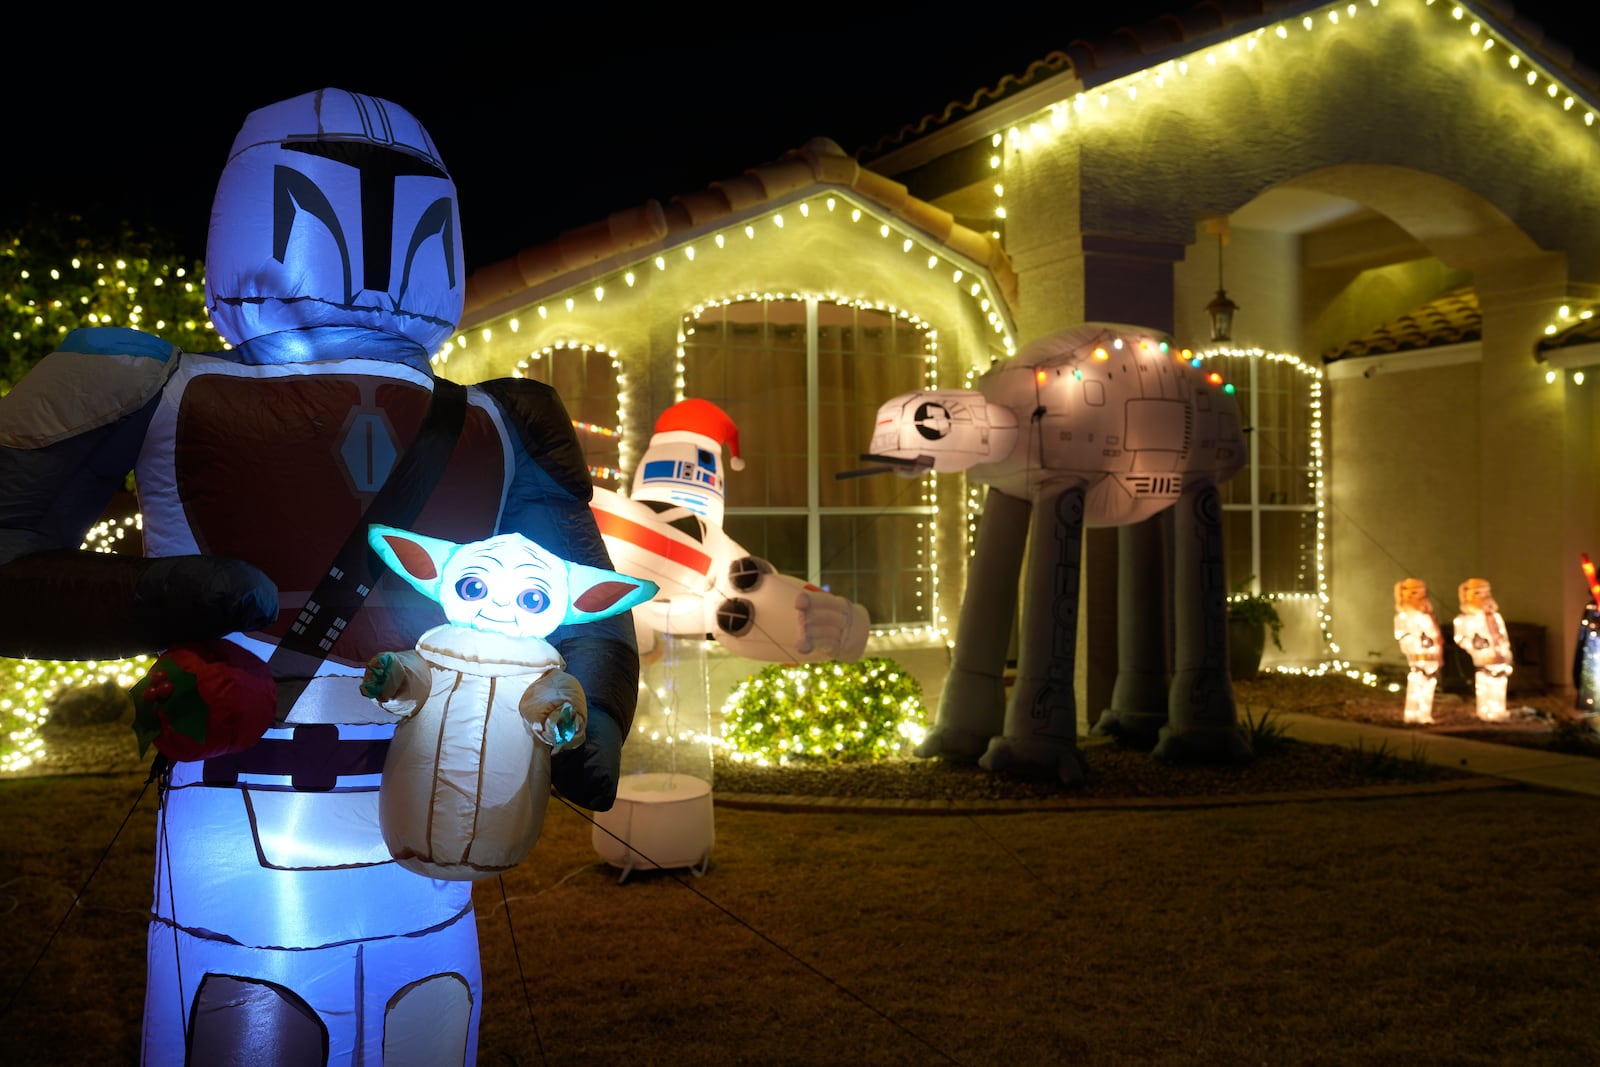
(1447, 455)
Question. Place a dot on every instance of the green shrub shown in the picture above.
(1265, 733)
(1380, 762)
(823, 712)
(58, 273)
(1255, 609)
(29, 690)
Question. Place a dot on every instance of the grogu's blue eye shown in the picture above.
(471, 588)
(534, 600)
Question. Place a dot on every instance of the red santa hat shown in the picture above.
(706, 419)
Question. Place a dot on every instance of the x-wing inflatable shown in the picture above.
(669, 530)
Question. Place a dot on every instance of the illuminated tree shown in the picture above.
(58, 273)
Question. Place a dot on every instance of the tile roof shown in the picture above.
(1449, 319)
(1586, 331)
(638, 229)
(1128, 49)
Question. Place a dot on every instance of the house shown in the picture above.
(1401, 197)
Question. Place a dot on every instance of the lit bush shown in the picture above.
(59, 273)
(30, 688)
(824, 712)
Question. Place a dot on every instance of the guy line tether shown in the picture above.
(752, 929)
(157, 775)
(158, 772)
(522, 977)
(71, 907)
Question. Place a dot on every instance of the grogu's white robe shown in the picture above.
(467, 776)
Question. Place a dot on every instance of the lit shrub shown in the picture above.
(29, 689)
(59, 273)
(824, 712)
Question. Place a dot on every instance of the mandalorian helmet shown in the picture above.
(334, 209)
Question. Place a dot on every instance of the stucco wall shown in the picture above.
(1404, 501)
(1448, 473)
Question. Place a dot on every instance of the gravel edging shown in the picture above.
(947, 806)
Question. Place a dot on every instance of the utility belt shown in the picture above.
(312, 759)
(322, 745)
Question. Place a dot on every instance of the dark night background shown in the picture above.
(553, 124)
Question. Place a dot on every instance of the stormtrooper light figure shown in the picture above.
(1481, 632)
(1417, 630)
(283, 930)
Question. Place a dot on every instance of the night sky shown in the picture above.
(553, 125)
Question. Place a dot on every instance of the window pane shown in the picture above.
(880, 356)
(778, 539)
(1284, 432)
(879, 561)
(1289, 551)
(1282, 462)
(587, 384)
(751, 359)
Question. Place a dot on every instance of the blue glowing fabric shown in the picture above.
(334, 268)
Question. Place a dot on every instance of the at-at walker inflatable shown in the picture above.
(1100, 425)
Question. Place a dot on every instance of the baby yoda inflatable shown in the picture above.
(485, 700)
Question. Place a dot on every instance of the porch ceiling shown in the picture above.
(1449, 319)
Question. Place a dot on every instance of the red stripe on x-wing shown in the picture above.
(652, 541)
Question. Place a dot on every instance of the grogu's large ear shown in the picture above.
(597, 593)
(417, 558)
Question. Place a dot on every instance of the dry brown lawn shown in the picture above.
(1430, 929)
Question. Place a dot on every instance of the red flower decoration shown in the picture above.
(204, 699)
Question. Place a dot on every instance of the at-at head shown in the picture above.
(334, 209)
(942, 430)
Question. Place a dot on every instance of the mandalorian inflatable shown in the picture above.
(283, 929)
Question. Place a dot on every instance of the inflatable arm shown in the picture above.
(69, 434)
(90, 605)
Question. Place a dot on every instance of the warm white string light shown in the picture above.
(929, 605)
(1331, 663)
(1043, 127)
(975, 286)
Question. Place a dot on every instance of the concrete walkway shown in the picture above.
(1528, 766)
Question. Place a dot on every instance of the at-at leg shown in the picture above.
(973, 703)
(1202, 718)
(1138, 708)
(1041, 722)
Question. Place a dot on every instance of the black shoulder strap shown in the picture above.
(349, 578)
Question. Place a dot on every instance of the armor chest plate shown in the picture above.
(276, 465)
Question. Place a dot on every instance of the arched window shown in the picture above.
(803, 379)
(585, 377)
(1272, 509)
